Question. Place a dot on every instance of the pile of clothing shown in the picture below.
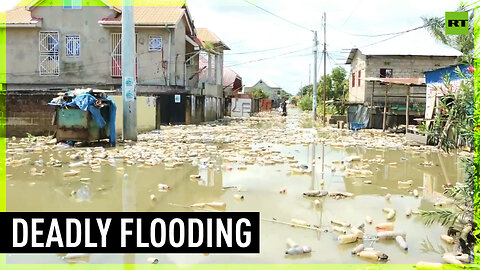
(90, 100)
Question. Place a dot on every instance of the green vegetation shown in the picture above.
(284, 95)
(258, 93)
(464, 43)
(454, 121)
(336, 91)
(457, 123)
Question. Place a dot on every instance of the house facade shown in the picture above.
(56, 48)
(274, 91)
(392, 71)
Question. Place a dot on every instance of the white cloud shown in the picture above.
(7, 4)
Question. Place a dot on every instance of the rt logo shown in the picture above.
(456, 23)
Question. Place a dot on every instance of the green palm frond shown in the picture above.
(444, 217)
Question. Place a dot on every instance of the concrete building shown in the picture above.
(211, 73)
(405, 58)
(274, 91)
(55, 48)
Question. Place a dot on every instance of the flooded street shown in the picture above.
(270, 161)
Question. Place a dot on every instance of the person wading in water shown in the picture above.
(284, 108)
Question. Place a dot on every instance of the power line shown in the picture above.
(394, 33)
(351, 13)
(265, 50)
(280, 17)
(270, 57)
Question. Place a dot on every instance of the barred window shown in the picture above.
(72, 46)
(155, 43)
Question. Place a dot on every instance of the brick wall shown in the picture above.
(29, 113)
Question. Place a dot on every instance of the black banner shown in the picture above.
(146, 232)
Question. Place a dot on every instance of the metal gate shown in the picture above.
(49, 61)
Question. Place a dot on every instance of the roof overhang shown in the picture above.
(351, 55)
(106, 24)
(399, 81)
(24, 25)
(196, 47)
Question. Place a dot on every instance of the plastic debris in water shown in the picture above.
(390, 213)
(315, 193)
(390, 235)
(299, 222)
(340, 223)
(163, 187)
(152, 260)
(373, 255)
(447, 239)
(368, 219)
(385, 226)
(71, 173)
(357, 249)
(401, 242)
(346, 239)
(238, 197)
(83, 194)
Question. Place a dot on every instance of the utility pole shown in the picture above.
(324, 65)
(129, 83)
(309, 74)
(315, 50)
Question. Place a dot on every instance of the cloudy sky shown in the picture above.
(264, 46)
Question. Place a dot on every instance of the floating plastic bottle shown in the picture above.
(340, 229)
(340, 223)
(299, 222)
(316, 193)
(401, 242)
(163, 187)
(447, 239)
(346, 239)
(152, 260)
(238, 197)
(357, 249)
(390, 213)
(390, 235)
(368, 219)
(388, 226)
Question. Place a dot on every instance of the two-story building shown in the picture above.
(78, 45)
(402, 62)
(274, 91)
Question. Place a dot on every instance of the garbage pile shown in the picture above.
(90, 100)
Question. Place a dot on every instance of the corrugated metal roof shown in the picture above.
(415, 43)
(205, 35)
(150, 16)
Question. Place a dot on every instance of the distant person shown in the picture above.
(284, 108)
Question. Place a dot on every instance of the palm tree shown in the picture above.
(464, 43)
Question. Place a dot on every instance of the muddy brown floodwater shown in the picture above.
(256, 158)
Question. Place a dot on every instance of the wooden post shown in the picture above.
(371, 104)
(385, 108)
(407, 109)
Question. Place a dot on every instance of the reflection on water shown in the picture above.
(131, 189)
